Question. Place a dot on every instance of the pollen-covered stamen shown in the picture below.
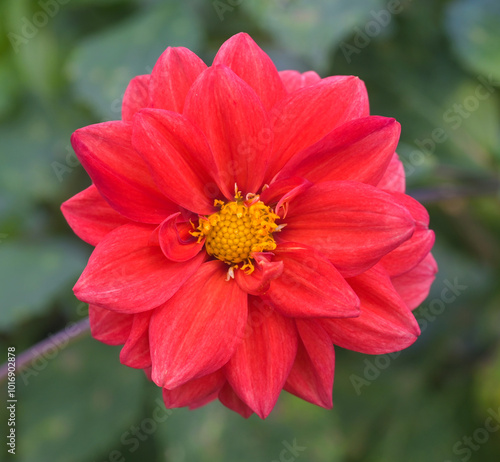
(240, 228)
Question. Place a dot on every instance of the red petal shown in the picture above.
(394, 177)
(196, 331)
(126, 274)
(244, 57)
(136, 96)
(109, 327)
(172, 77)
(283, 191)
(230, 399)
(413, 286)
(262, 361)
(359, 150)
(178, 157)
(204, 401)
(307, 115)
(119, 173)
(265, 271)
(236, 125)
(175, 241)
(385, 323)
(90, 216)
(194, 391)
(294, 80)
(310, 286)
(352, 224)
(410, 253)
(135, 352)
(311, 377)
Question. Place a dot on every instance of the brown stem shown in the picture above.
(59, 340)
(442, 193)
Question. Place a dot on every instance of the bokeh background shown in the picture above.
(433, 65)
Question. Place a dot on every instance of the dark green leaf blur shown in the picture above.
(433, 65)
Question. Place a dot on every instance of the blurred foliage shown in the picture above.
(434, 66)
(474, 33)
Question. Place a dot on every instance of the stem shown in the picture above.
(59, 341)
(440, 193)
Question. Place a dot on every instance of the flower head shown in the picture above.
(245, 221)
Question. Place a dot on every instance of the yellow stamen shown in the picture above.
(240, 228)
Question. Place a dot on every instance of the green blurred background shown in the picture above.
(433, 65)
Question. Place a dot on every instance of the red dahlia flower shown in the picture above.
(245, 221)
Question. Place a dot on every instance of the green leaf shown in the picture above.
(102, 65)
(197, 435)
(487, 381)
(311, 29)
(31, 275)
(408, 435)
(472, 26)
(465, 131)
(9, 85)
(30, 144)
(76, 403)
(94, 3)
(38, 64)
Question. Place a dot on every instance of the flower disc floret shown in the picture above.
(237, 230)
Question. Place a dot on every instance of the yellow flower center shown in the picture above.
(238, 229)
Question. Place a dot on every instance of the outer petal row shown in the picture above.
(352, 224)
(90, 216)
(131, 330)
(385, 324)
(109, 327)
(258, 369)
(311, 377)
(195, 391)
(247, 60)
(394, 177)
(119, 173)
(172, 77)
(413, 286)
(178, 157)
(236, 125)
(135, 352)
(294, 80)
(307, 115)
(359, 150)
(310, 286)
(126, 274)
(195, 332)
(136, 97)
(410, 253)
